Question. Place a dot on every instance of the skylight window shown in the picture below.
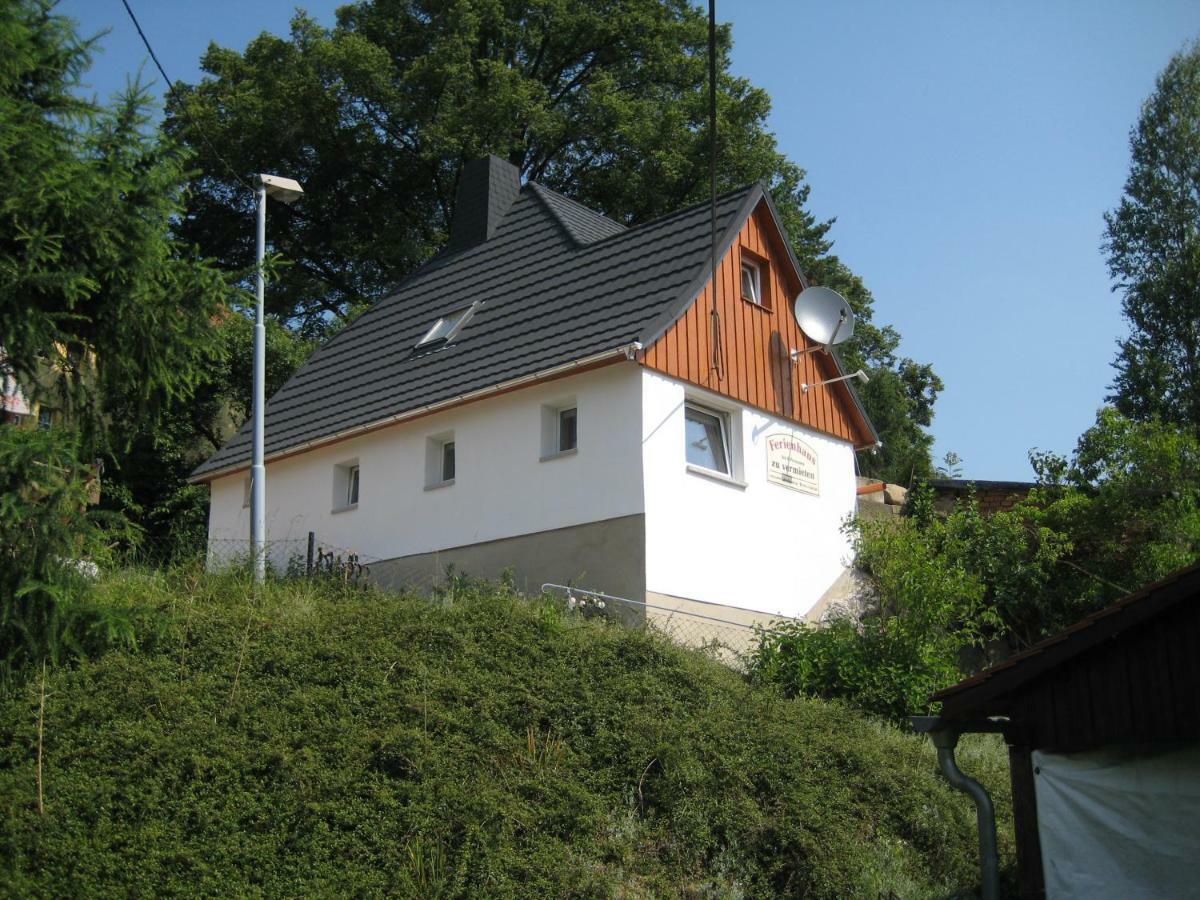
(445, 329)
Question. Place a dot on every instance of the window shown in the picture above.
(45, 417)
(445, 329)
(707, 439)
(346, 480)
(440, 460)
(568, 435)
(560, 428)
(247, 487)
(751, 282)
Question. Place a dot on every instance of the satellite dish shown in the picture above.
(824, 316)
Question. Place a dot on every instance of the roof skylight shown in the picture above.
(447, 327)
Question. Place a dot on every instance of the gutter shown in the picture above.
(945, 738)
(626, 351)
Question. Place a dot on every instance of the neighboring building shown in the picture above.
(16, 408)
(540, 396)
(992, 496)
(1103, 726)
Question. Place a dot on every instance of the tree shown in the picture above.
(91, 281)
(604, 101)
(1153, 244)
(94, 290)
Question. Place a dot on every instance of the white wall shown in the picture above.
(762, 546)
(501, 488)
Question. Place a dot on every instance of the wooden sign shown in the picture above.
(792, 464)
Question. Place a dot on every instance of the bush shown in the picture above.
(322, 740)
(49, 542)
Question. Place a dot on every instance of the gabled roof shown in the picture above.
(557, 284)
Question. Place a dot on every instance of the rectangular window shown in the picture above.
(45, 417)
(707, 438)
(440, 460)
(568, 435)
(751, 282)
(345, 485)
(247, 485)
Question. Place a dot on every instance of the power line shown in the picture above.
(183, 106)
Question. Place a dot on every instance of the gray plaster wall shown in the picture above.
(607, 556)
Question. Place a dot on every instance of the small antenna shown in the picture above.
(718, 361)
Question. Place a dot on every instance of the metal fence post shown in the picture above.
(312, 543)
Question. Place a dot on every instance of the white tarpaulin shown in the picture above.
(1119, 823)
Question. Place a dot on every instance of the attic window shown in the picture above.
(446, 329)
(756, 285)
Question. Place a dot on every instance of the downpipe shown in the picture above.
(946, 738)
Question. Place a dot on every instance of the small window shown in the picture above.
(345, 485)
(247, 487)
(752, 282)
(448, 461)
(440, 460)
(447, 327)
(568, 435)
(707, 439)
(45, 417)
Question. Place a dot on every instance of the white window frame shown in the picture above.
(435, 460)
(344, 475)
(755, 268)
(446, 329)
(552, 428)
(573, 411)
(730, 419)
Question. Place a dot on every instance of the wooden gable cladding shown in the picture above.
(757, 342)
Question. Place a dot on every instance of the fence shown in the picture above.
(294, 558)
(726, 640)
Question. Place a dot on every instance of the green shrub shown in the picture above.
(322, 740)
(49, 541)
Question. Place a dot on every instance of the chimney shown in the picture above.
(486, 189)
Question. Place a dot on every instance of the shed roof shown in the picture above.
(555, 282)
(985, 693)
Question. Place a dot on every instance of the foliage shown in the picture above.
(948, 593)
(151, 462)
(48, 538)
(603, 101)
(1128, 504)
(1153, 244)
(322, 741)
(902, 639)
(92, 284)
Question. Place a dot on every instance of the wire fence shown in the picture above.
(729, 641)
(294, 558)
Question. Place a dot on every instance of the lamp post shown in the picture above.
(285, 190)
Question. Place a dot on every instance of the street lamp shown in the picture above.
(285, 190)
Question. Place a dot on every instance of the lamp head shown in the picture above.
(285, 190)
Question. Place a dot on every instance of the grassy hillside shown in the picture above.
(322, 741)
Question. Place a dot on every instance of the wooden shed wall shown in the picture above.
(1142, 686)
(757, 343)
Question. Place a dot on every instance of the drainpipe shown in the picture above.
(945, 738)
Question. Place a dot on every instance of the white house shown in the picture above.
(547, 395)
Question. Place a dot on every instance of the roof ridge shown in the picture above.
(554, 201)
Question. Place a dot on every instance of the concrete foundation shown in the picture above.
(607, 556)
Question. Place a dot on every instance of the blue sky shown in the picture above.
(967, 149)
